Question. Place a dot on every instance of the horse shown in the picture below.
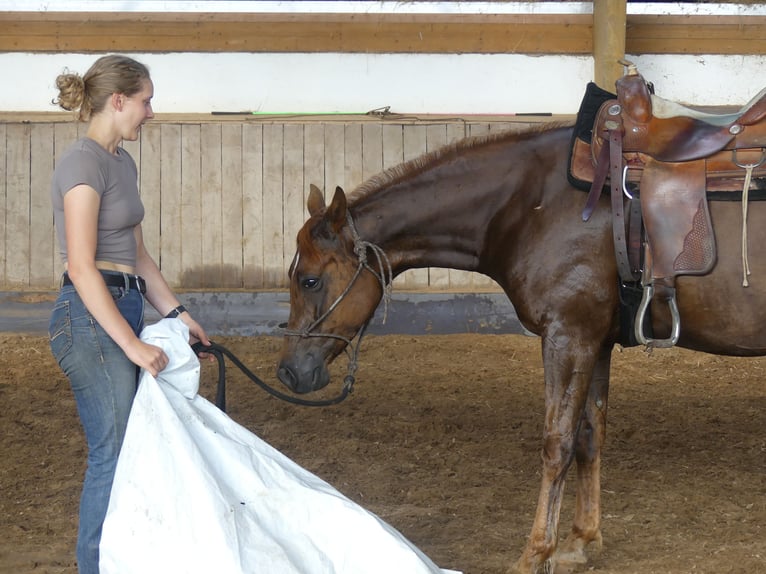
(502, 205)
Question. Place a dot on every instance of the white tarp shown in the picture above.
(197, 493)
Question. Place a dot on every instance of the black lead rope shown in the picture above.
(218, 351)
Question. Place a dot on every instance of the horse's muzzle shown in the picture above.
(305, 378)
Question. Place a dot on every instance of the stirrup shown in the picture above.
(675, 331)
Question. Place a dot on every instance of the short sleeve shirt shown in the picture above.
(115, 179)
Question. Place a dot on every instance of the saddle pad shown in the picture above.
(580, 164)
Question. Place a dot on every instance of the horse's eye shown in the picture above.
(310, 283)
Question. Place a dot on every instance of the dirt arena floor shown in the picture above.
(441, 438)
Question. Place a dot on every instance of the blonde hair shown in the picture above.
(87, 95)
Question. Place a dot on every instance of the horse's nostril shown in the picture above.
(287, 377)
(320, 379)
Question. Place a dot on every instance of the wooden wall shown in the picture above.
(371, 33)
(224, 199)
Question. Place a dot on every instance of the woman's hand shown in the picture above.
(149, 357)
(196, 334)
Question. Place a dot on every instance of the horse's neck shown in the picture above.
(442, 216)
(417, 226)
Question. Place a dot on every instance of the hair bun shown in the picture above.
(71, 87)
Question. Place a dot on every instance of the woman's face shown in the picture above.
(136, 110)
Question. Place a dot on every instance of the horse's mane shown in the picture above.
(419, 164)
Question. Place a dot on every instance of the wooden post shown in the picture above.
(609, 22)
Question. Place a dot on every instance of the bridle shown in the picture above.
(385, 277)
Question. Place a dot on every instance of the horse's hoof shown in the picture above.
(565, 567)
(573, 558)
(525, 567)
(574, 553)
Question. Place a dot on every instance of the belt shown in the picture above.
(116, 279)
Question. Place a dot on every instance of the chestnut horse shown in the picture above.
(502, 206)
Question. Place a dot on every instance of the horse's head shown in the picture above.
(333, 293)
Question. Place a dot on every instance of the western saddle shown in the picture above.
(661, 159)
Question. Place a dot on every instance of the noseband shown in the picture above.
(384, 277)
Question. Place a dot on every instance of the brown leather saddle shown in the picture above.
(659, 160)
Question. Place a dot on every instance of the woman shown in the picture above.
(96, 321)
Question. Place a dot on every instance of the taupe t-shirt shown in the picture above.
(115, 179)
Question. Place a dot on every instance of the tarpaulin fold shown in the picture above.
(195, 492)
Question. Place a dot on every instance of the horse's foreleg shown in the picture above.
(567, 380)
(586, 527)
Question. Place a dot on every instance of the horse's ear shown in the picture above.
(336, 212)
(315, 202)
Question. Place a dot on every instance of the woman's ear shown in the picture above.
(118, 100)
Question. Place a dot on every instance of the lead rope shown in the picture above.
(748, 167)
(218, 351)
(745, 194)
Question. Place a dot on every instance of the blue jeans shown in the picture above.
(104, 382)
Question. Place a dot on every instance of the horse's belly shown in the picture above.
(719, 314)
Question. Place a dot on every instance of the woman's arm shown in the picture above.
(158, 292)
(81, 207)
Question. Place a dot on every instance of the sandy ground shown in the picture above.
(441, 438)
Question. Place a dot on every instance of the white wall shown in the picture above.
(357, 83)
(304, 83)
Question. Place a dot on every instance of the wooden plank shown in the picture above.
(190, 252)
(253, 274)
(149, 182)
(372, 150)
(171, 188)
(42, 252)
(273, 202)
(293, 194)
(500, 127)
(313, 161)
(653, 34)
(393, 145)
(313, 173)
(4, 243)
(458, 278)
(372, 33)
(414, 146)
(478, 129)
(17, 258)
(252, 32)
(353, 168)
(63, 137)
(335, 160)
(393, 154)
(232, 210)
(210, 232)
(436, 137)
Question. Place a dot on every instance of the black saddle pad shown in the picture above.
(591, 102)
